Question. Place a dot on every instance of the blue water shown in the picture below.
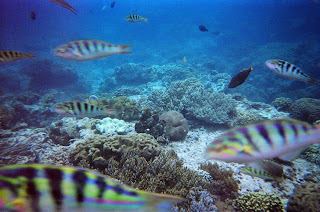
(171, 33)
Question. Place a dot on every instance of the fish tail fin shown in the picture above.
(126, 49)
(145, 20)
(29, 55)
(314, 81)
(160, 202)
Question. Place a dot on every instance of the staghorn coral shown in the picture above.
(126, 108)
(305, 198)
(258, 201)
(191, 98)
(306, 109)
(282, 103)
(176, 126)
(223, 183)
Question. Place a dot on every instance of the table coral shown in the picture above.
(305, 198)
(258, 201)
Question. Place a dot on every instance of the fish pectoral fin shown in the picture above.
(18, 205)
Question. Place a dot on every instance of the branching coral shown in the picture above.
(305, 198)
(257, 201)
(223, 183)
(191, 98)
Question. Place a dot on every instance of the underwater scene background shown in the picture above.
(148, 113)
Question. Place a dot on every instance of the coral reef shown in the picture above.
(282, 103)
(137, 162)
(126, 108)
(176, 126)
(258, 201)
(28, 98)
(223, 182)
(131, 74)
(109, 126)
(45, 74)
(312, 154)
(98, 149)
(306, 109)
(190, 98)
(198, 199)
(248, 112)
(305, 198)
(30, 146)
(150, 123)
(7, 117)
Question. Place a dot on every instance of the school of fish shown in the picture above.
(38, 187)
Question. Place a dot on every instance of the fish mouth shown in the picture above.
(271, 64)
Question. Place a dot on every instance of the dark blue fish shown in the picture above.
(112, 4)
(203, 28)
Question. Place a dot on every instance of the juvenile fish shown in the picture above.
(82, 109)
(64, 4)
(38, 187)
(83, 50)
(283, 138)
(288, 70)
(265, 169)
(135, 18)
(203, 28)
(12, 56)
(239, 78)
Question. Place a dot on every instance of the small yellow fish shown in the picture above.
(83, 50)
(184, 60)
(135, 18)
(12, 56)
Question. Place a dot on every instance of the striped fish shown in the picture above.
(12, 56)
(288, 70)
(283, 138)
(83, 50)
(135, 18)
(82, 109)
(265, 169)
(38, 187)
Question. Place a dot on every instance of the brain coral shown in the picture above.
(305, 198)
(191, 98)
(176, 126)
(306, 109)
(98, 148)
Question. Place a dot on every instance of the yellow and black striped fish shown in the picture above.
(12, 56)
(82, 109)
(265, 169)
(291, 71)
(38, 187)
(135, 18)
(83, 50)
